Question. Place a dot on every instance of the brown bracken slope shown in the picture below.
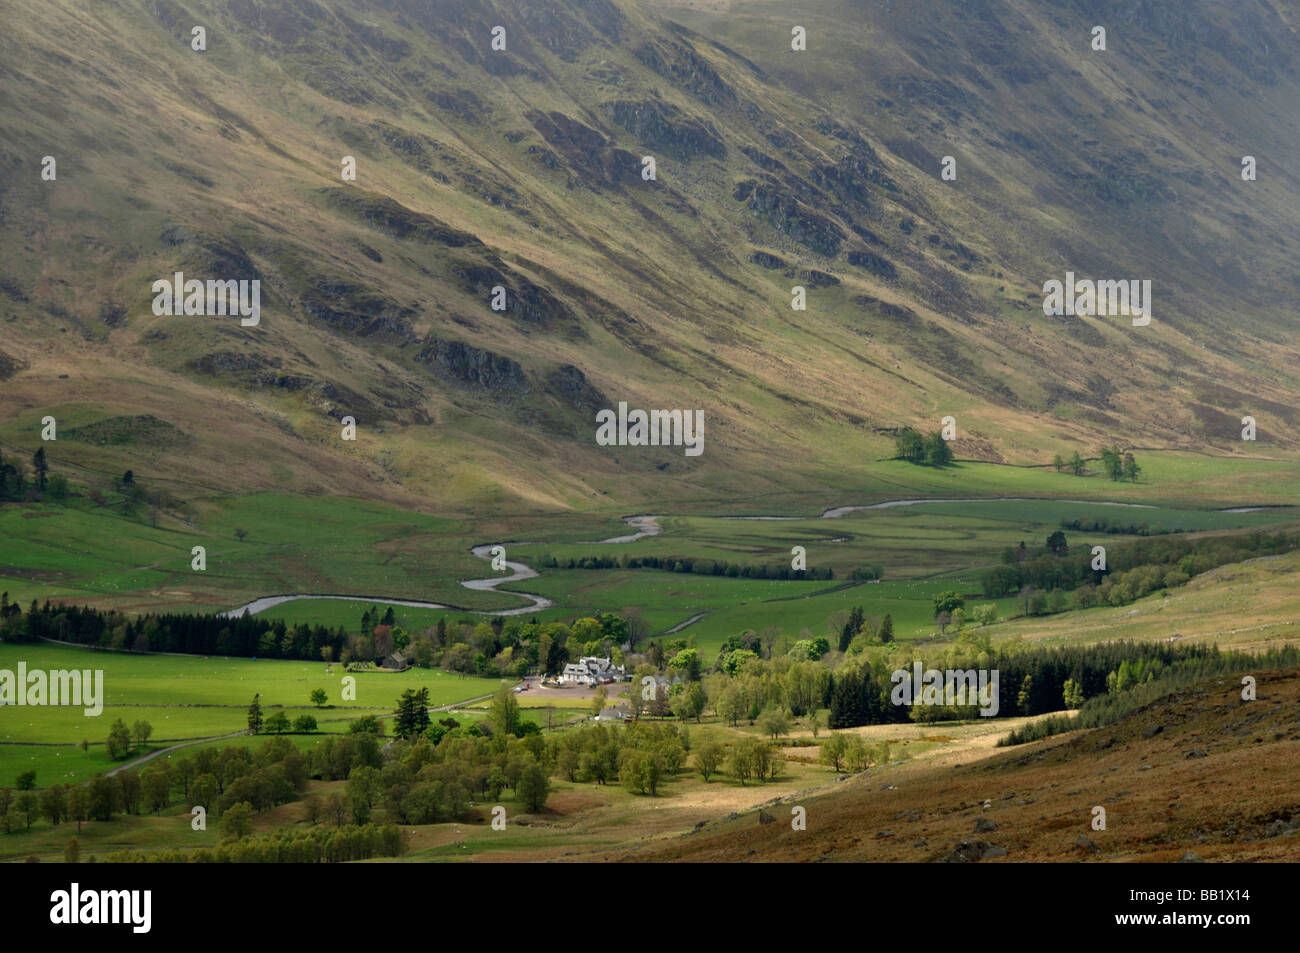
(1200, 771)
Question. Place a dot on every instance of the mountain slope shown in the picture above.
(522, 168)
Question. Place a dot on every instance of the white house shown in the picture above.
(591, 670)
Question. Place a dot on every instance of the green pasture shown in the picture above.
(293, 544)
(906, 542)
(1168, 478)
(186, 697)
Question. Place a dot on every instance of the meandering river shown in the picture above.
(644, 526)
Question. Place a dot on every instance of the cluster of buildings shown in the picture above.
(591, 670)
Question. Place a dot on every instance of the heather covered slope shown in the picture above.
(522, 168)
(1199, 770)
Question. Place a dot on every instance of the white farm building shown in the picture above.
(591, 670)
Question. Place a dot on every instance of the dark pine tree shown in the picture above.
(41, 467)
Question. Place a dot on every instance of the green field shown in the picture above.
(186, 697)
(341, 546)
(81, 553)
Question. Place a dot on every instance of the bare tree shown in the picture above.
(637, 627)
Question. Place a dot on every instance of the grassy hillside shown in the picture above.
(521, 168)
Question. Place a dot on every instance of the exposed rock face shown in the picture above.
(112, 314)
(473, 367)
(586, 151)
(686, 69)
(766, 260)
(350, 307)
(396, 220)
(664, 127)
(570, 385)
(525, 300)
(790, 217)
(894, 312)
(818, 279)
(873, 263)
(227, 362)
(211, 256)
(9, 366)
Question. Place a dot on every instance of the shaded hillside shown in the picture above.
(1198, 771)
(522, 169)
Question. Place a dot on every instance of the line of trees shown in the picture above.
(1100, 524)
(490, 647)
(191, 633)
(286, 846)
(700, 567)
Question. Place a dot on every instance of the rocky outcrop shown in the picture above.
(464, 364)
(873, 263)
(586, 151)
(525, 300)
(9, 366)
(665, 128)
(681, 65)
(789, 216)
(352, 308)
(571, 386)
(972, 851)
(396, 220)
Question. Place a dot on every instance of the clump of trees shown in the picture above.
(15, 485)
(927, 450)
(1116, 464)
(217, 779)
(120, 738)
(1042, 577)
(852, 752)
